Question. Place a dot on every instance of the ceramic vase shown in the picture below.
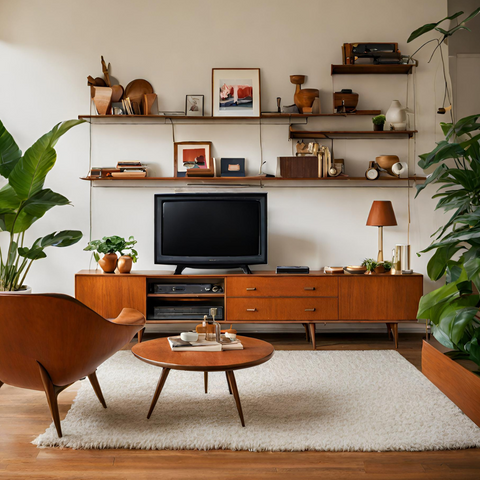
(124, 264)
(396, 114)
(108, 262)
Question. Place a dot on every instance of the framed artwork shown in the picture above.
(195, 156)
(232, 167)
(236, 92)
(194, 106)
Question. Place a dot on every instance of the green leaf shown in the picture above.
(438, 263)
(442, 337)
(437, 173)
(472, 267)
(10, 154)
(9, 201)
(18, 223)
(65, 238)
(472, 15)
(443, 151)
(33, 253)
(28, 176)
(455, 323)
(430, 26)
(37, 205)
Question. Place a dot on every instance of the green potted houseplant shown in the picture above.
(23, 201)
(370, 264)
(378, 123)
(109, 247)
(453, 309)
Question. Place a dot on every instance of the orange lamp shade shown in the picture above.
(381, 214)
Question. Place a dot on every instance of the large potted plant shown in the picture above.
(23, 201)
(453, 309)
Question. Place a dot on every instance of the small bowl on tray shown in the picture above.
(355, 269)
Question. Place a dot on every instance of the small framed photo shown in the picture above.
(194, 156)
(236, 92)
(232, 167)
(194, 106)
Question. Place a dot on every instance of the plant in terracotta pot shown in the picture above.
(370, 264)
(387, 266)
(378, 123)
(109, 247)
(23, 201)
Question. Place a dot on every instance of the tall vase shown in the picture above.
(396, 116)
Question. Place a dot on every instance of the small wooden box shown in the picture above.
(298, 167)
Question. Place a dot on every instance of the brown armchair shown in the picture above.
(49, 341)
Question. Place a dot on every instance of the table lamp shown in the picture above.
(381, 215)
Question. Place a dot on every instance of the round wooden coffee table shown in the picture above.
(158, 352)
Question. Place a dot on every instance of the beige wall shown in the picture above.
(48, 48)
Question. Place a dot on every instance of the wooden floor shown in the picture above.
(24, 414)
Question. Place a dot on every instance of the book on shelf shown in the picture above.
(179, 345)
(129, 173)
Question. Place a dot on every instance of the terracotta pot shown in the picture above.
(380, 269)
(369, 273)
(124, 264)
(378, 128)
(108, 262)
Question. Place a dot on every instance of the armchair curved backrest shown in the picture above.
(57, 331)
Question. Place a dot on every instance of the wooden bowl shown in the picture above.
(387, 161)
(297, 79)
(355, 269)
(305, 98)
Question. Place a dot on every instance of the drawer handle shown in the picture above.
(251, 309)
(309, 309)
(250, 289)
(309, 288)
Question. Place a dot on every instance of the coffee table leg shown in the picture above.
(161, 383)
(205, 381)
(228, 382)
(233, 386)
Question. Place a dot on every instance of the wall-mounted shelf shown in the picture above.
(131, 119)
(351, 134)
(240, 180)
(372, 69)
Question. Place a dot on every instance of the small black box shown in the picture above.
(290, 270)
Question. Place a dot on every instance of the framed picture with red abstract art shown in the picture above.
(236, 92)
(193, 159)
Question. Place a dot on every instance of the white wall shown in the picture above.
(48, 48)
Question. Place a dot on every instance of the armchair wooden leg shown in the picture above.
(312, 335)
(1, 383)
(140, 335)
(205, 381)
(52, 391)
(96, 388)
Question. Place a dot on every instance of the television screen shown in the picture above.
(205, 229)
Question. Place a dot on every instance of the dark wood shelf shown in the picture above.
(350, 134)
(265, 115)
(372, 69)
(245, 179)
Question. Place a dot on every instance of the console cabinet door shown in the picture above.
(382, 297)
(109, 294)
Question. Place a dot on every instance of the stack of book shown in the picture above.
(128, 169)
(179, 345)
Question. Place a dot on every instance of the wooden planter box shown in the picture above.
(458, 383)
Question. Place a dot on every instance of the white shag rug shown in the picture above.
(299, 400)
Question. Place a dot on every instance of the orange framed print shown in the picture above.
(193, 158)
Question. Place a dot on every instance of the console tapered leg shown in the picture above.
(395, 334)
(233, 385)
(307, 333)
(389, 330)
(312, 335)
(228, 382)
(161, 383)
(205, 381)
(96, 388)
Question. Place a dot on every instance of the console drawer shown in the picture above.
(300, 286)
(271, 309)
